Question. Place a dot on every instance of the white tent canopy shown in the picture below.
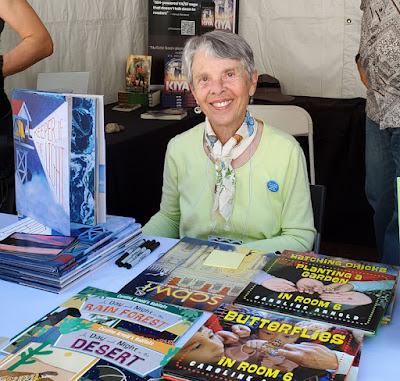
(309, 45)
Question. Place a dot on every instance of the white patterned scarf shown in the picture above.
(222, 156)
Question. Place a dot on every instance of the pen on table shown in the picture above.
(132, 255)
(134, 259)
(120, 260)
(148, 245)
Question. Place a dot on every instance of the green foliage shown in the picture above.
(26, 357)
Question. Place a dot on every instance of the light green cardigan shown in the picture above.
(261, 218)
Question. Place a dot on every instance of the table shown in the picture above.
(21, 306)
(135, 161)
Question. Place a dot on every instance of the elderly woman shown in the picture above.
(232, 176)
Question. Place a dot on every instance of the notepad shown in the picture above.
(225, 259)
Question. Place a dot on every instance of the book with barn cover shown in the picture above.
(59, 158)
(181, 277)
(334, 290)
(244, 343)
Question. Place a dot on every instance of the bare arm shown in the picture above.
(36, 42)
(362, 72)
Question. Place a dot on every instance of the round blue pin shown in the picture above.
(272, 186)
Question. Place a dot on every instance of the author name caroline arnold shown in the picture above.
(289, 301)
(241, 370)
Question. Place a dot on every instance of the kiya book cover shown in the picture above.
(334, 290)
(174, 79)
(243, 343)
(180, 276)
(137, 74)
(153, 320)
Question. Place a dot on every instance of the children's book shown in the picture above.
(126, 107)
(181, 277)
(165, 114)
(174, 79)
(80, 349)
(244, 343)
(151, 319)
(225, 15)
(91, 248)
(138, 72)
(334, 290)
(59, 157)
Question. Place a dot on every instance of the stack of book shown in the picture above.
(54, 262)
(59, 146)
(100, 335)
(172, 99)
(303, 316)
(131, 98)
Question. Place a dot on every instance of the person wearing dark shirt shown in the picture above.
(35, 45)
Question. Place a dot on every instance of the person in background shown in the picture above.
(35, 45)
(378, 62)
(232, 177)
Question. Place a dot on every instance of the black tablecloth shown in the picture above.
(135, 159)
(339, 155)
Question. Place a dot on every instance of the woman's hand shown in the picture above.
(228, 337)
(352, 298)
(309, 286)
(338, 288)
(310, 355)
(241, 330)
(279, 285)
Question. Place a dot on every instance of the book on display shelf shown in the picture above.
(165, 114)
(182, 277)
(59, 148)
(350, 293)
(174, 79)
(245, 343)
(126, 107)
(138, 72)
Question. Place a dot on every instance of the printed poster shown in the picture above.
(171, 23)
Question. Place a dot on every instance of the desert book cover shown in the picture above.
(243, 343)
(334, 290)
(78, 349)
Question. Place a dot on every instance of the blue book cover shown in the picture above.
(42, 160)
(83, 161)
(57, 155)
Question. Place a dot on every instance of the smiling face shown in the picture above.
(222, 88)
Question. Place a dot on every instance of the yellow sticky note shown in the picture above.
(225, 259)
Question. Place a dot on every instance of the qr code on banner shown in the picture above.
(188, 28)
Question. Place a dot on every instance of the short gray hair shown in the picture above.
(221, 45)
